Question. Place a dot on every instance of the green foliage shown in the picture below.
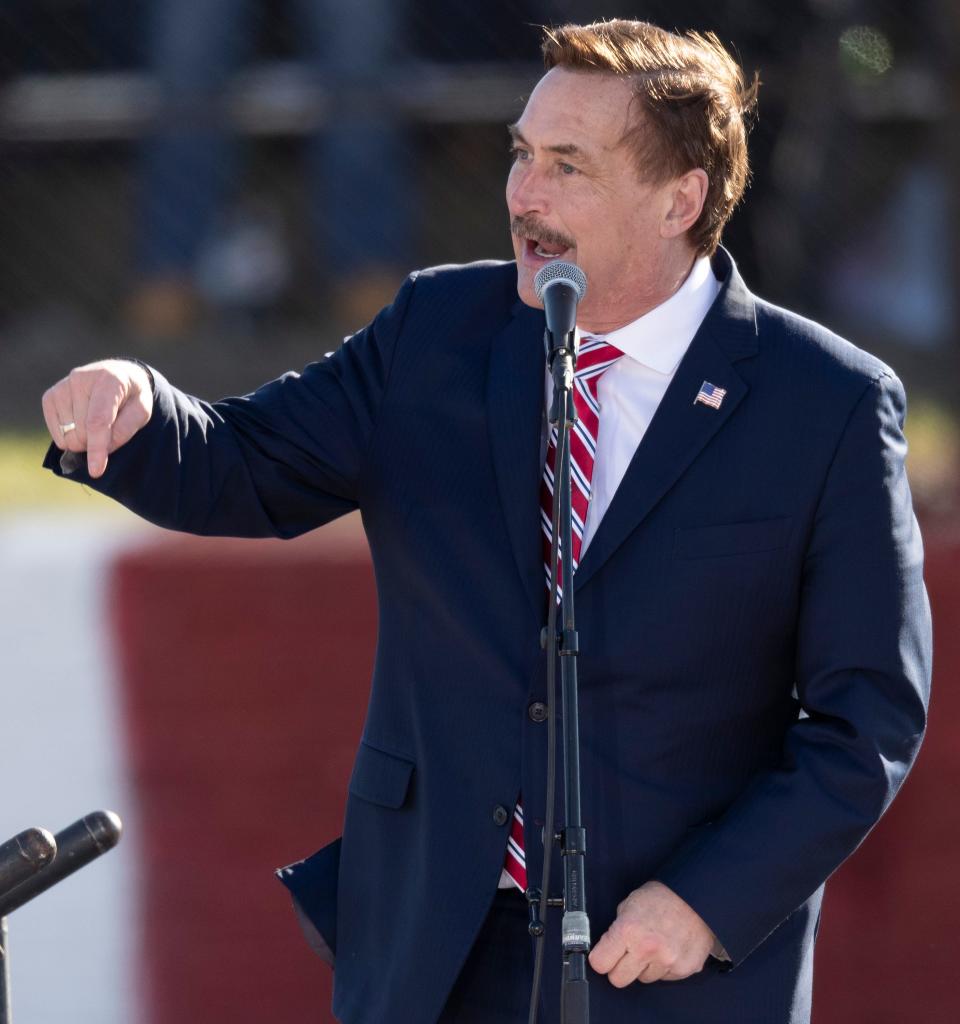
(933, 461)
(24, 483)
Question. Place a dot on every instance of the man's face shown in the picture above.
(574, 194)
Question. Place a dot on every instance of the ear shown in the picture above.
(688, 195)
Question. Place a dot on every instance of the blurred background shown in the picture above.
(225, 189)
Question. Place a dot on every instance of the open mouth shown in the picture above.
(539, 243)
(544, 251)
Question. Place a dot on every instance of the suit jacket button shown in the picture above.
(537, 711)
(500, 815)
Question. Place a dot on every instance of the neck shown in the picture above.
(616, 309)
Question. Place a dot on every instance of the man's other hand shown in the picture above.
(656, 937)
(97, 408)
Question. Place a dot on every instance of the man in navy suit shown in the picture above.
(754, 628)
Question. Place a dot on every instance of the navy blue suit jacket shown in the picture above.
(754, 628)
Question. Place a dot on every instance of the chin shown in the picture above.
(525, 288)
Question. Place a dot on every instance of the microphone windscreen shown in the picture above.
(559, 271)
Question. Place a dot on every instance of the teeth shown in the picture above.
(542, 252)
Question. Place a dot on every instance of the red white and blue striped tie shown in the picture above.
(595, 357)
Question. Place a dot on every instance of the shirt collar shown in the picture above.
(660, 338)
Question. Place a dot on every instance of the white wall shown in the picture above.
(73, 950)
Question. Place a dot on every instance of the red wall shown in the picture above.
(245, 668)
(888, 943)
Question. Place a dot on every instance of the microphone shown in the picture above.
(24, 855)
(76, 846)
(560, 287)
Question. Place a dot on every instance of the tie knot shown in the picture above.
(595, 357)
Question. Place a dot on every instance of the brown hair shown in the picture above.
(695, 106)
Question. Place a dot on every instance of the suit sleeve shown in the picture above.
(863, 651)
(278, 462)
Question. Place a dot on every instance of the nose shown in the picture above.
(525, 191)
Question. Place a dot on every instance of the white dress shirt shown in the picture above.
(632, 389)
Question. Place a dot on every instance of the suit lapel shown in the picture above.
(681, 429)
(515, 387)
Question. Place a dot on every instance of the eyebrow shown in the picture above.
(561, 149)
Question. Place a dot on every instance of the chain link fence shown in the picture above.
(228, 188)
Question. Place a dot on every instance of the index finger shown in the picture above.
(606, 954)
(102, 412)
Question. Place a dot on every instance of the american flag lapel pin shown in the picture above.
(710, 395)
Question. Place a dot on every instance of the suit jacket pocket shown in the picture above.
(732, 538)
(380, 777)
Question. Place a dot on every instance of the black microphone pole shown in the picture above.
(33, 861)
(20, 857)
(561, 286)
(77, 845)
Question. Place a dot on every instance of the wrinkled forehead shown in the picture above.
(588, 109)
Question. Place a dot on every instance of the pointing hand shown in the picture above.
(97, 408)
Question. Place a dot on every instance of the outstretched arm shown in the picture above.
(278, 462)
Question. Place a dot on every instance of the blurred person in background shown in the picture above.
(193, 239)
(755, 630)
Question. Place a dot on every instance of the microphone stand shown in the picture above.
(563, 643)
(20, 857)
(33, 861)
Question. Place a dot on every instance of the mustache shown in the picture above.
(528, 227)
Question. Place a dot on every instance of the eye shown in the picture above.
(519, 154)
(567, 169)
